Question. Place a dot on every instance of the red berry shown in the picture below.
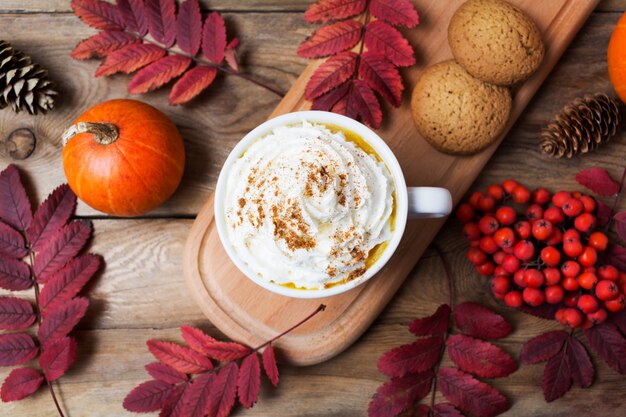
(465, 212)
(572, 248)
(555, 238)
(572, 207)
(524, 250)
(608, 272)
(534, 212)
(585, 222)
(571, 234)
(533, 296)
(523, 229)
(509, 186)
(520, 194)
(587, 280)
(498, 270)
(518, 278)
(571, 298)
(570, 283)
(511, 264)
(617, 304)
(598, 316)
(473, 200)
(607, 290)
(560, 198)
(587, 303)
(570, 268)
(506, 215)
(554, 294)
(541, 196)
(499, 256)
(598, 241)
(534, 278)
(500, 284)
(471, 232)
(488, 245)
(589, 204)
(496, 192)
(542, 229)
(486, 203)
(577, 194)
(513, 299)
(504, 237)
(589, 257)
(550, 256)
(554, 215)
(572, 317)
(553, 276)
(476, 256)
(485, 269)
(488, 225)
(559, 316)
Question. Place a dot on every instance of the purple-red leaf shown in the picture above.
(98, 14)
(134, 14)
(269, 364)
(15, 313)
(470, 394)
(557, 376)
(544, 311)
(179, 357)
(158, 73)
(20, 384)
(14, 204)
(61, 248)
(360, 102)
(129, 59)
(446, 410)
(189, 22)
(165, 373)
(389, 42)
(16, 349)
(619, 320)
(102, 44)
(327, 10)
(382, 77)
(603, 213)
(598, 180)
(161, 16)
(175, 402)
(478, 321)
(249, 381)
(66, 283)
(222, 396)
(214, 37)
(11, 243)
(398, 394)
(479, 357)
(580, 364)
(208, 346)
(191, 84)
(620, 225)
(332, 73)
(607, 341)
(148, 396)
(196, 397)
(416, 357)
(14, 274)
(326, 101)
(58, 322)
(331, 39)
(543, 347)
(432, 325)
(57, 357)
(51, 215)
(396, 12)
(616, 255)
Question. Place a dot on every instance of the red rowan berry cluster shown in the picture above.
(547, 254)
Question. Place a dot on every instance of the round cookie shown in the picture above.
(457, 113)
(495, 41)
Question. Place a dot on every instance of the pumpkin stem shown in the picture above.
(103, 133)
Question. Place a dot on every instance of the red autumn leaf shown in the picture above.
(580, 364)
(98, 14)
(191, 84)
(606, 340)
(174, 403)
(230, 54)
(396, 12)
(331, 39)
(59, 321)
(14, 204)
(14, 274)
(195, 400)
(269, 365)
(20, 384)
(332, 73)
(544, 311)
(557, 376)
(389, 42)
(326, 101)
(616, 255)
(416, 357)
(620, 225)
(222, 396)
(16, 349)
(11, 242)
(179, 357)
(543, 347)
(165, 373)
(158, 73)
(51, 215)
(161, 15)
(101, 44)
(431, 325)
(478, 321)
(214, 37)
(133, 13)
(479, 357)
(470, 394)
(326, 10)
(599, 181)
(398, 394)
(66, 283)
(360, 102)
(249, 381)
(129, 59)
(148, 396)
(16, 314)
(189, 22)
(208, 346)
(446, 410)
(61, 248)
(57, 357)
(619, 320)
(603, 213)
(382, 76)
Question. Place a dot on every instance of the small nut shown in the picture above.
(20, 143)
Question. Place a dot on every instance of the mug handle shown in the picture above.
(428, 202)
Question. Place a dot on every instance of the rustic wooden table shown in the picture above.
(141, 294)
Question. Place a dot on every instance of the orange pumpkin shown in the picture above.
(616, 57)
(123, 157)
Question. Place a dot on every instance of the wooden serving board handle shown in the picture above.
(249, 314)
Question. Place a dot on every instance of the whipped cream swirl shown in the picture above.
(305, 206)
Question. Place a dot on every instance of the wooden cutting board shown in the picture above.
(249, 314)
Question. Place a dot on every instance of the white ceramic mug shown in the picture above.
(411, 202)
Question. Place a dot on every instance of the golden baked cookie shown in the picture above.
(457, 113)
(495, 41)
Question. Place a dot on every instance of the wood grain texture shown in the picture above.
(143, 298)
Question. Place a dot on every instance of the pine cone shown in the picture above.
(23, 84)
(581, 126)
